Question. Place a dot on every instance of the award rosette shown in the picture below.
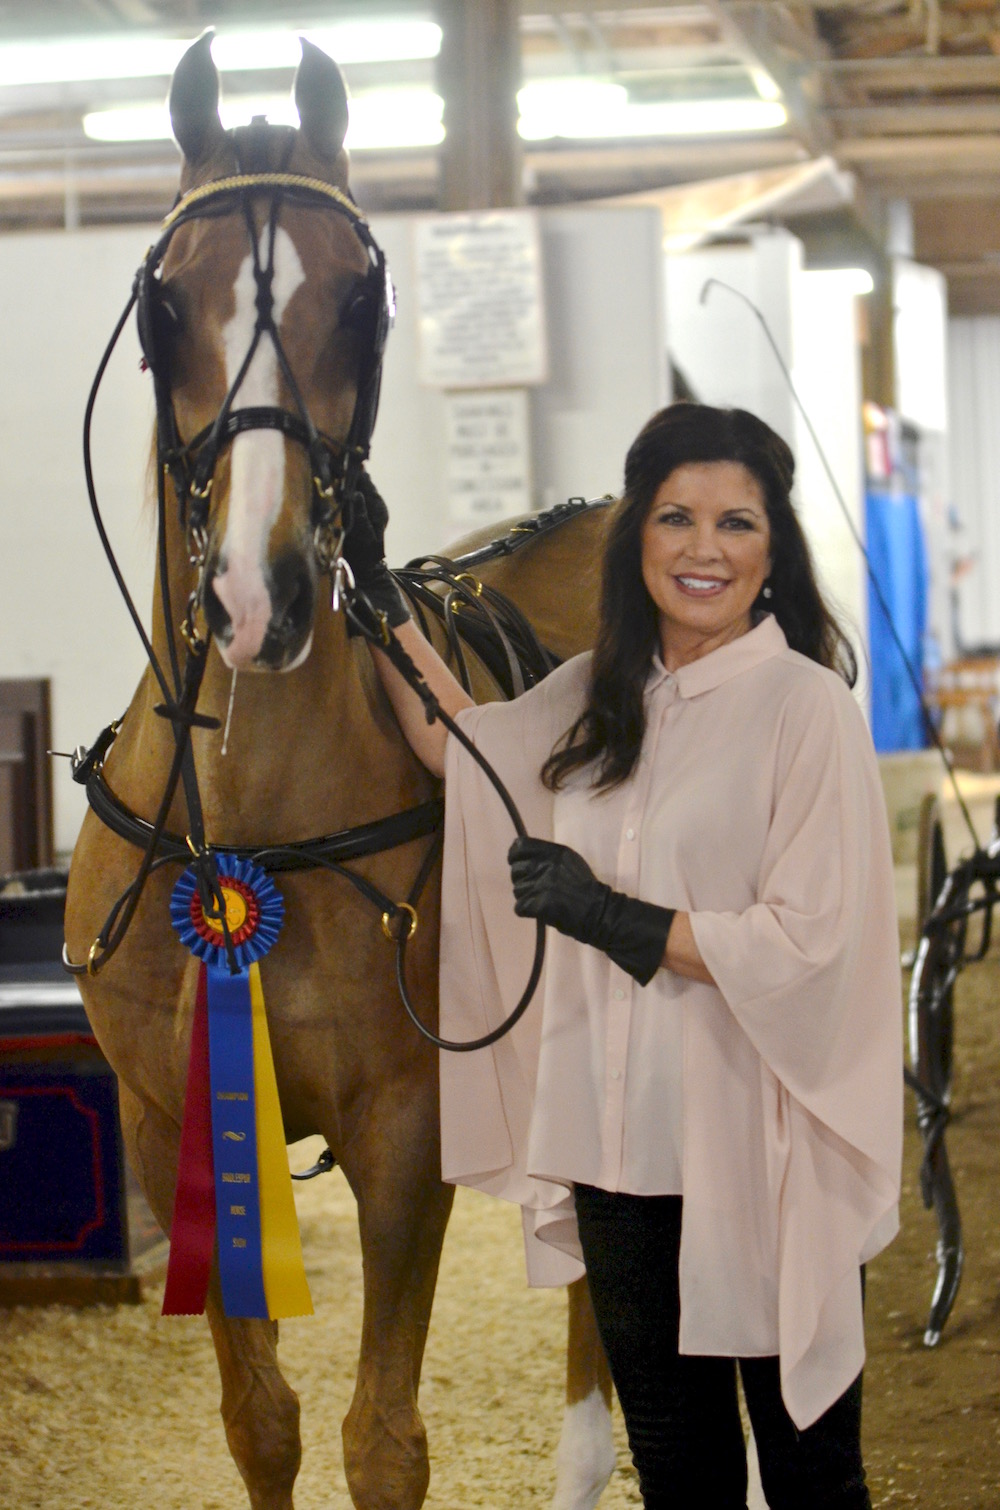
(233, 1181)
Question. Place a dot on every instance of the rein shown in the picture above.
(499, 635)
(494, 622)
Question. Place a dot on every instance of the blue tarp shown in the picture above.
(896, 546)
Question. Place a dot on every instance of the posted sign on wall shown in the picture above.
(479, 293)
(487, 448)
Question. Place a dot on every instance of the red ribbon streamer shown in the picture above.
(192, 1232)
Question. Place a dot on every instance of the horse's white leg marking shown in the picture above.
(585, 1458)
(755, 1494)
(258, 458)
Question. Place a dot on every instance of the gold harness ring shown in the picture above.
(411, 913)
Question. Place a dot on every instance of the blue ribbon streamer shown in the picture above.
(231, 1076)
(234, 1143)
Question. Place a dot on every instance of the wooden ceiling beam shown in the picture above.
(977, 294)
(787, 57)
(975, 152)
(956, 230)
(914, 74)
(917, 119)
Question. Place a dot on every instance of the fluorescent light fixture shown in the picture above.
(88, 58)
(395, 118)
(378, 118)
(763, 82)
(139, 57)
(590, 108)
(567, 107)
(849, 280)
(387, 41)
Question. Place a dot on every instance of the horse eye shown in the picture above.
(358, 313)
(166, 320)
(164, 328)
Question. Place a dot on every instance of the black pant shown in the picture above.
(681, 1412)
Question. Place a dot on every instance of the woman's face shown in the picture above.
(706, 553)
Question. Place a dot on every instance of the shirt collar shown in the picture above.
(759, 644)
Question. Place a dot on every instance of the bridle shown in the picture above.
(334, 464)
(334, 469)
(191, 464)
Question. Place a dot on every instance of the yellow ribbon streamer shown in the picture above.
(285, 1285)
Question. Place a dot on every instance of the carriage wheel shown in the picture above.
(932, 872)
(932, 864)
(938, 960)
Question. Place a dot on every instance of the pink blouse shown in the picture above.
(772, 1100)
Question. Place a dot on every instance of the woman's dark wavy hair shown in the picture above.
(608, 734)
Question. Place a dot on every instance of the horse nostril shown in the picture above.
(216, 615)
(293, 599)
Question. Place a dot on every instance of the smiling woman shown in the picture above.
(705, 556)
(720, 1042)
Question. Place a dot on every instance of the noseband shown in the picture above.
(333, 463)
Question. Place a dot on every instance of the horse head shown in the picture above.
(262, 311)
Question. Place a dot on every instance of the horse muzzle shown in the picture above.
(261, 618)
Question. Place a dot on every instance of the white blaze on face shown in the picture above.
(257, 465)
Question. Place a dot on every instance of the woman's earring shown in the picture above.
(766, 590)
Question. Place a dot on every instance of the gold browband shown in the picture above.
(263, 181)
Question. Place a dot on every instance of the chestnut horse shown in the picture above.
(312, 749)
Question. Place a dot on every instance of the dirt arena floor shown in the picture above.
(114, 1409)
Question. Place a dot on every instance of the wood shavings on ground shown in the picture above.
(116, 1409)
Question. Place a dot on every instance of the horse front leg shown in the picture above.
(260, 1410)
(585, 1457)
(403, 1210)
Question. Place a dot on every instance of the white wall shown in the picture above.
(974, 470)
(60, 614)
(606, 309)
(827, 374)
(920, 342)
(604, 305)
(722, 350)
(715, 338)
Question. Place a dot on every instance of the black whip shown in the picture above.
(876, 586)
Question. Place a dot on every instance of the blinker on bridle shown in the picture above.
(334, 464)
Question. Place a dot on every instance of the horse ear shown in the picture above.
(194, 101)
(321, 100)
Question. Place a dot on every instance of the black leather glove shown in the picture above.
(554, 883)
(364, 552)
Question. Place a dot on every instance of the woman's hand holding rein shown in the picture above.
(555, 883)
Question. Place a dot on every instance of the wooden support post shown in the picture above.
(26, 833)
(479, 72)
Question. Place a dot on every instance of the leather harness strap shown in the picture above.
(304, 854)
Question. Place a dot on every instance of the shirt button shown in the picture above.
(630, 833)
(616, 1074)
(619, 994)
